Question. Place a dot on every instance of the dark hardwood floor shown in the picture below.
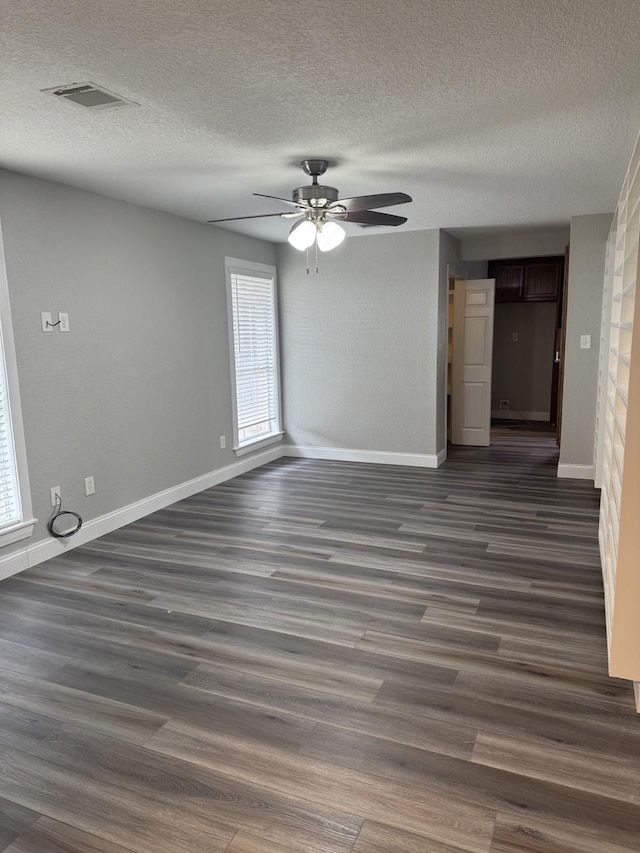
(324, 657)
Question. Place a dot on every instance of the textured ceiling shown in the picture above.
(488, 112)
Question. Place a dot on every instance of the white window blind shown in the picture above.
(16, 516)
(10, 508)
(255, 351)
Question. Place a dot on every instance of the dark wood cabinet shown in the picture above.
(542, 281)
(509, 279)
(527, 279)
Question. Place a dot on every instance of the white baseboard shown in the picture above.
(379, 457)
(576, 472)
(512, 415)
(441, 457)
(14, 563)
(48, 548)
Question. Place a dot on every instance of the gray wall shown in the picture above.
(138, 392)
(359, 344)
(476, 269)
(516, 243)
(584, 315)
(522, 369)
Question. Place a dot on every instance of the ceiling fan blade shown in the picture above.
(367, 202)
(372, 217)
(256, 216)
(285, 200)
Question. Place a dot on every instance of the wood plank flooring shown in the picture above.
(325, 657)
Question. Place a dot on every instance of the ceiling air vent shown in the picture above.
(89, 96)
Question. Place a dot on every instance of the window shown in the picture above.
(16, 521)
(251, 295)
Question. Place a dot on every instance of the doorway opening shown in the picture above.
(525, 361)
(527, 343)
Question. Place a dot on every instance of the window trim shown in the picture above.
(236, 265)
(23, 528)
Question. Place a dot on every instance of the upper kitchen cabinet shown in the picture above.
(527, 279)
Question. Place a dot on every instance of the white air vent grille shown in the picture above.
(89, 96)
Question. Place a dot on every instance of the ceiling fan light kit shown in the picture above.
(329, 236)
(321, 207)
(302, 235)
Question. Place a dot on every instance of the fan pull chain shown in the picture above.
(307, 260)
(316, 244)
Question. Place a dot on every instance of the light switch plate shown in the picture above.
(585, 341)
(45, 319)
(64, 322)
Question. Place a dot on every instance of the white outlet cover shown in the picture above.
(585, 341)
(46, 319)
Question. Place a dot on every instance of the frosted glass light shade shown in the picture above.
(330, 235)
(302, 235)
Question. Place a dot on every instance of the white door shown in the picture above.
(472, 356)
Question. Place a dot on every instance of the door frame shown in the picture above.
(453, 274)
(563, 343)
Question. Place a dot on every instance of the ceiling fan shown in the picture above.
(319, 211)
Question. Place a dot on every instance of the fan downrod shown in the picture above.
(314, 168)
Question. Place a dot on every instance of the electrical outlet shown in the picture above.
(46, 320)
(504, 405)
(89, 486)
(585, 341)
(64, 322)
(223, 442)
(56, 495)
(515, 337)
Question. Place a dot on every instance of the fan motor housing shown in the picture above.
(316, 195)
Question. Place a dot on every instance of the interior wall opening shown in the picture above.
(526, 343)
(527, 349)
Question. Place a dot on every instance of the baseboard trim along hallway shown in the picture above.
(32, 555)
(514, 415)
(377, 457)
(576, 472)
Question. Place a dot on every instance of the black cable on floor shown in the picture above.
(58, 512)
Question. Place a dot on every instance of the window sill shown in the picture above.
(258, 444)
(23, 530)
